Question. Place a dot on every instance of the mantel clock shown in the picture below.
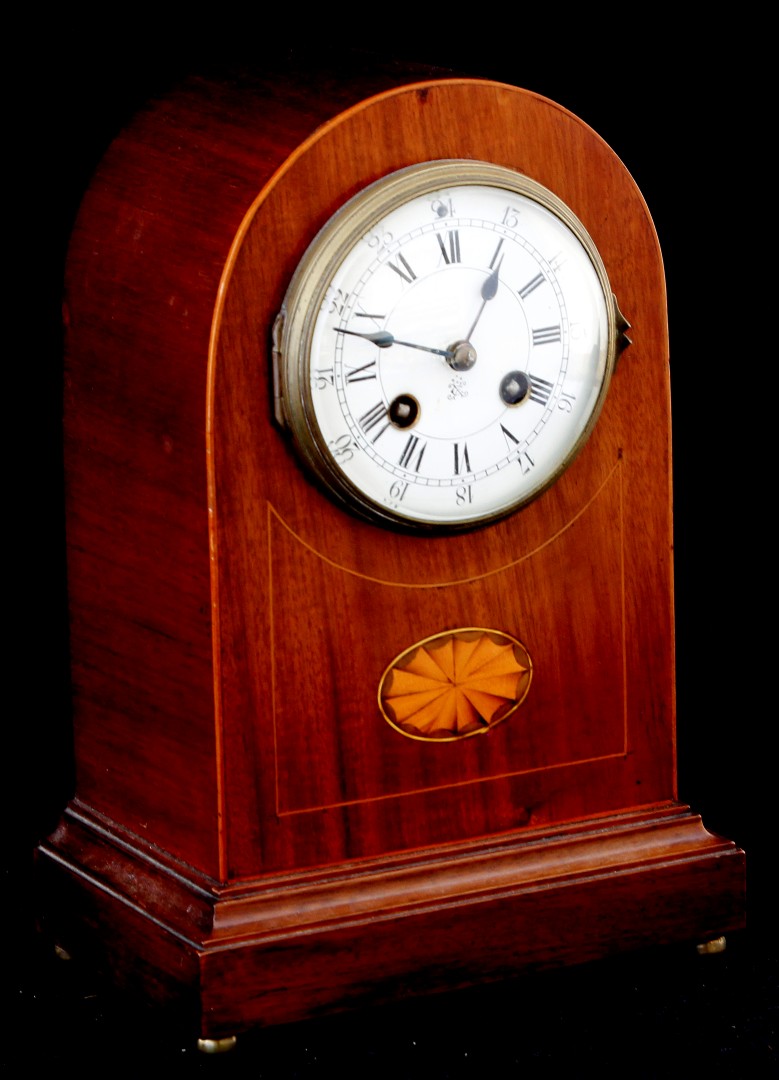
(370, 555)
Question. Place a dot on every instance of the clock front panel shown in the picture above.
(378, 691)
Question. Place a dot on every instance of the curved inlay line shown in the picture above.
(452, 581)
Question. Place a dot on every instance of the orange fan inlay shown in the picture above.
(458, 683)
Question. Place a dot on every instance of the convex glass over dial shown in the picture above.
(445, 346)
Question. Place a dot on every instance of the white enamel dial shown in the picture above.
(445, 346)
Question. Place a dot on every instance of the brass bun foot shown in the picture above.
(216, 1046)
(707, 948)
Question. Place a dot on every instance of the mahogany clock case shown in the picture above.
(640, 117)
(698, 764)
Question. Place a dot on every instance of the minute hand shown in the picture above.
(384, 339)
(489, 290)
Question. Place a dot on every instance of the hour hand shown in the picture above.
(383, 338)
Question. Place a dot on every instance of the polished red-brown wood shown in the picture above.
(239, 796)
(226, 957)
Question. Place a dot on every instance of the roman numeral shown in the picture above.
(453, 255)
(546, 335)
(374, 416)
(540, 390)
(362, 373)
(409, 450)
(524, 460)
(462, 463)
(510, 437)
(406, 273)
(526, 290)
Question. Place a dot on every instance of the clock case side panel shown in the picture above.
(259, 481)
(142, 276)
(138, 291)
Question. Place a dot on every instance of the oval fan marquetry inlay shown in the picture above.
(454, 684)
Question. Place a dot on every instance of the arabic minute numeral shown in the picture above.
(335, 301)
(524, 459)
(525, 462)
(398, 489)
(374, 240)
(463, 495)
(321, 378)
(342, 448)
(442, 207)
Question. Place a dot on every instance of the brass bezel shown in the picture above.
(294, 328)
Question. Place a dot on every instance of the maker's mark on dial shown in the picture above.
(455, 684)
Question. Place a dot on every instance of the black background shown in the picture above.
(682, 111)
